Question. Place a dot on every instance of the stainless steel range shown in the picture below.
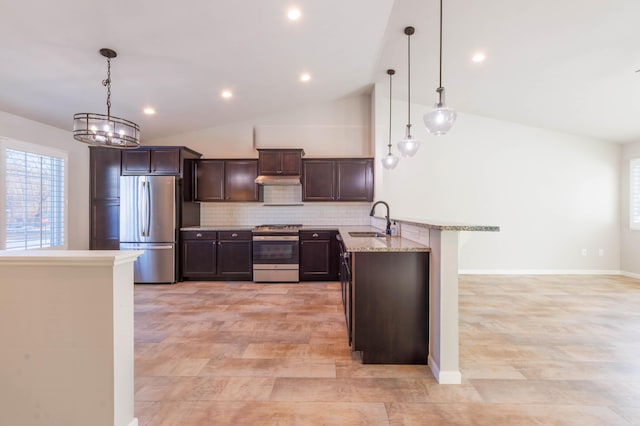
(276, 253)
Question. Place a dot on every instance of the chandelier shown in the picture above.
(106, 130)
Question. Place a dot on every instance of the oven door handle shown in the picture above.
(275, 238)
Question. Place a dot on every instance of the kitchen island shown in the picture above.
(441, 241)
(66, 327)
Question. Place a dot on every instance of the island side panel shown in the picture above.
(443, 294)
(391, 307)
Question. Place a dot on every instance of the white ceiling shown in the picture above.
(560, 64)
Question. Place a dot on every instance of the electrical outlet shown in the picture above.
(600, 252)
(584, 252)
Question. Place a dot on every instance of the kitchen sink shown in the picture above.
(367, 234)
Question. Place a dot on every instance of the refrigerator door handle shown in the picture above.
(148, 208)
(141, 208)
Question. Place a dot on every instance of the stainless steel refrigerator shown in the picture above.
(148, 222)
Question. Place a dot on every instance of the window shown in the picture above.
(34, 197)
(634, 214)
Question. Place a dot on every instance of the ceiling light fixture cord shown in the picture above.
(390, 72)
(408, 146)
(107, 84)
(409, 32)
(440, 86)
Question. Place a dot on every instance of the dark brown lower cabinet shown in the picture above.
(235, 255)
(216, 255)
(318, 255)
(199, 254)
(390, 307)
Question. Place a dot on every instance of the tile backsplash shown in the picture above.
(282, 204)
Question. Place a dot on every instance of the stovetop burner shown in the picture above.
(277, 228)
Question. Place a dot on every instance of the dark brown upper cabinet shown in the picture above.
(354, 180)
(280, 162)
(339, 179)
(209, 180)
(104, 215)
(226, 180)
(155, 161)
(318, 180)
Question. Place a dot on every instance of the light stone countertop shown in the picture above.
(217, 228)
(377, 244)
(443, 225)
(68, 257)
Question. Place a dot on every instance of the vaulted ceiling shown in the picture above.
(568, 65)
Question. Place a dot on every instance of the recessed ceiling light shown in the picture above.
(294, 14)
(149, 111)
(226, 94)
(478, 57)
(305, 77)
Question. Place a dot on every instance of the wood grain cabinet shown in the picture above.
(151, 161)
(226, 180)
(280, 162)
(390, 307)
(104, 184)
(340, 179)
(216, 255)
(199, 254)
(319, 255)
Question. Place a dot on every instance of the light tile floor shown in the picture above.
(534, 350)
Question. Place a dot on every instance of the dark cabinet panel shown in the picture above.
(390, 307)
(217, 255)
(234, 259)
(199, 258)
(136, 161)
(105, 173)
(104, 196)
(291, 163)
(280, 161)
(340, 179)
(318, 256)
(165, 161)
(105, 225)
(153, 161)
(239, 180)
(209, 180)
(355, 179)
(318, 181)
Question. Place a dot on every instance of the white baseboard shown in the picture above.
(444, 377)
(133, 422)
(541, 272)
(630, 274)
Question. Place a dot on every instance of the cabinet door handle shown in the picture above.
(234, 235)
(198, 235)
(315, 235)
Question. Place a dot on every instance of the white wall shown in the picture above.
(334, 129)
(22, 129)
(552, 194)
(630, 240)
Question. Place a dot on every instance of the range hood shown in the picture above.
(278, 180)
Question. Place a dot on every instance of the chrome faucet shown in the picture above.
(373, 207)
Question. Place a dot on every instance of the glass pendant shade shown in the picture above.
(439, 121)
(408, 146)
(390, 161)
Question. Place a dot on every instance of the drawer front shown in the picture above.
(235, 235)
(315, 235)
(199, 235)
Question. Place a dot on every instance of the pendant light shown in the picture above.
(106, 130)
(409, 146)
(441, 119)
(390, 161)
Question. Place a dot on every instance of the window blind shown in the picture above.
(34, 200)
